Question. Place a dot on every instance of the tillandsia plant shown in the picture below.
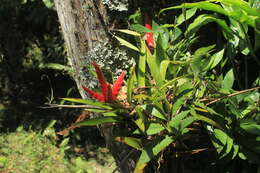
(181, 103)
(108, 94)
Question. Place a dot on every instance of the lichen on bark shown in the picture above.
(111, 60)
(118, 5)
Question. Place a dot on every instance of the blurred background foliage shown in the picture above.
(33, 72)
(30, 41)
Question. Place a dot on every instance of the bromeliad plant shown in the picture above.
(178, 103)
(108, 94)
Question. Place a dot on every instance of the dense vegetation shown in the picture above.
(191, 103)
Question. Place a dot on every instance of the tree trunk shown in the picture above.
(83, 26)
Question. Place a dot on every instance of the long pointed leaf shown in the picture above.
(89, 102)
(127, 44)
(142, 65)
(154, 68)
(129, 32)
(202, 5)
(98, 121)
(130, 84)
(133, 142)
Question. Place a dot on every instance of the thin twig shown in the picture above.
(195, 151)
(68, 106)
(233, 94)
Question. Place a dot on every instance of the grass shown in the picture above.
(28, 151)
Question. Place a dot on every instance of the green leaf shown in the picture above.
(219, 140)
(177, 105)
(228, 147)
(197, 63)
(154, 67)
(89, 102)
(167, 84)
(228, 81)
(187, 121)
(105, 112)
(214, 60)
(133, 142)
(150, 151)
(127, 44)
(235, 150)
(205, 5)
(251, 127)
(98, 121)
(141, 122)
(154, 128)
(142, 65)
(157, 114)
(176, 120)
(163, 68)
(186, 15)
(245, 15)
(205, 119)
(154, 111)
(249, 155)
(242, 5)
(130, 84)
(140, 28)
(56, 66)
(205, 19)
(157, 111)
(129, 32)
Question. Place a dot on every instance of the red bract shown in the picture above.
(108, 94)
(149, 35)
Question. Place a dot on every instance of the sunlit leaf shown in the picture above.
(89, 102)
(228, 81)
(154, 128)
(98, 121)
(142, 65)
(127, 44)
(154, 68)
(176, 120)
(133, 142)
(251, 127)
(205, 119)
(150, 151)
(129, 32)
(205, 19)
(130, 84)
(139, 28)
(205, 5)
(214, 60)
(186, 15)
(141, 122)
(163, 68)
(177, 105)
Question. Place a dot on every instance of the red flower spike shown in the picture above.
(108, 95)
(118, 85)
(101, 78)
(149, 35)
(95, 95)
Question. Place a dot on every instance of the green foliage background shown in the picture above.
(192, 104)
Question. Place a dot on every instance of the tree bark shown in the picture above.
(83, 26)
